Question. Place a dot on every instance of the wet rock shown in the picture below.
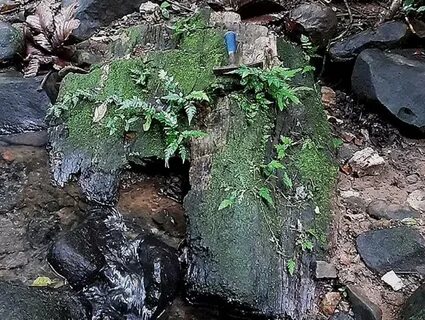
(385, 77)
(33, 139)
(414, 308)
(18, 302)
(11, 42)
(393, 280)
(319, 22)
(29, 213)
(363, 308)
(115, 266)
(77, 257)
(366, 162)
(23, 107)
(94, 14)
(386, 36)
(381, 209)
(400, 249)
(325, 270)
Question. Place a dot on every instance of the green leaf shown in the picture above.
(266, 195)
(147, 123)
(190, 111)
(291, 266)
(226, 203)
(183, 153)
(42, 282)
(165, 5)
(307, 245)
(287, 181)
(198, 96)
(170, 151)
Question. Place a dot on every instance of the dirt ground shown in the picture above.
(402, 174)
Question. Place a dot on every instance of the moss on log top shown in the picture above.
(85, 146)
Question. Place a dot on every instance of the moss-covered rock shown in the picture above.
(242, 251)
(80, 145)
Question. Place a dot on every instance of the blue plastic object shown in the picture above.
(231, 42)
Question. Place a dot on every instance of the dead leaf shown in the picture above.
(43, 42)
(347, 136)
(99, 112)
(328, 97)
(65, 24)
(346, 168)
(45, 14)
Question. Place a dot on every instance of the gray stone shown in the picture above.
(363, 308)
(94, 14)
(325, 270)
(11, 41)
(18, 302)
(319, 22)
(381, 209)
(399, 249)
(23, 106)
(386, 36)
(393, 80)
(414, 308)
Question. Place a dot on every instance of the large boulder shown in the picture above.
(94, 14)
(23, 106)
(386, 36)
(11, 42)
(392, 79)
(318, 21)
(241, 254)
(18, 302)
(114, 270)
(399, 249)
(414, 308)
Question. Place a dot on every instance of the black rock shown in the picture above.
(77, 257)
(122, 276)
(380, 209)
(33, 139)
(399, 249)
(393, 80)
(94, 14)
(11, 41)
(23, 106)
(341, 316)
(387, 36)
(363, 308)
(414, 308)
(18, 302)
(318, 21)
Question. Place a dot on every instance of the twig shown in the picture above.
(349, 24)
(63, 72)
(394, 7)
(43, 82)
(180, 6)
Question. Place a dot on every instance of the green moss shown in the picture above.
(191, 65)
(238, 229)
(315, 160)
